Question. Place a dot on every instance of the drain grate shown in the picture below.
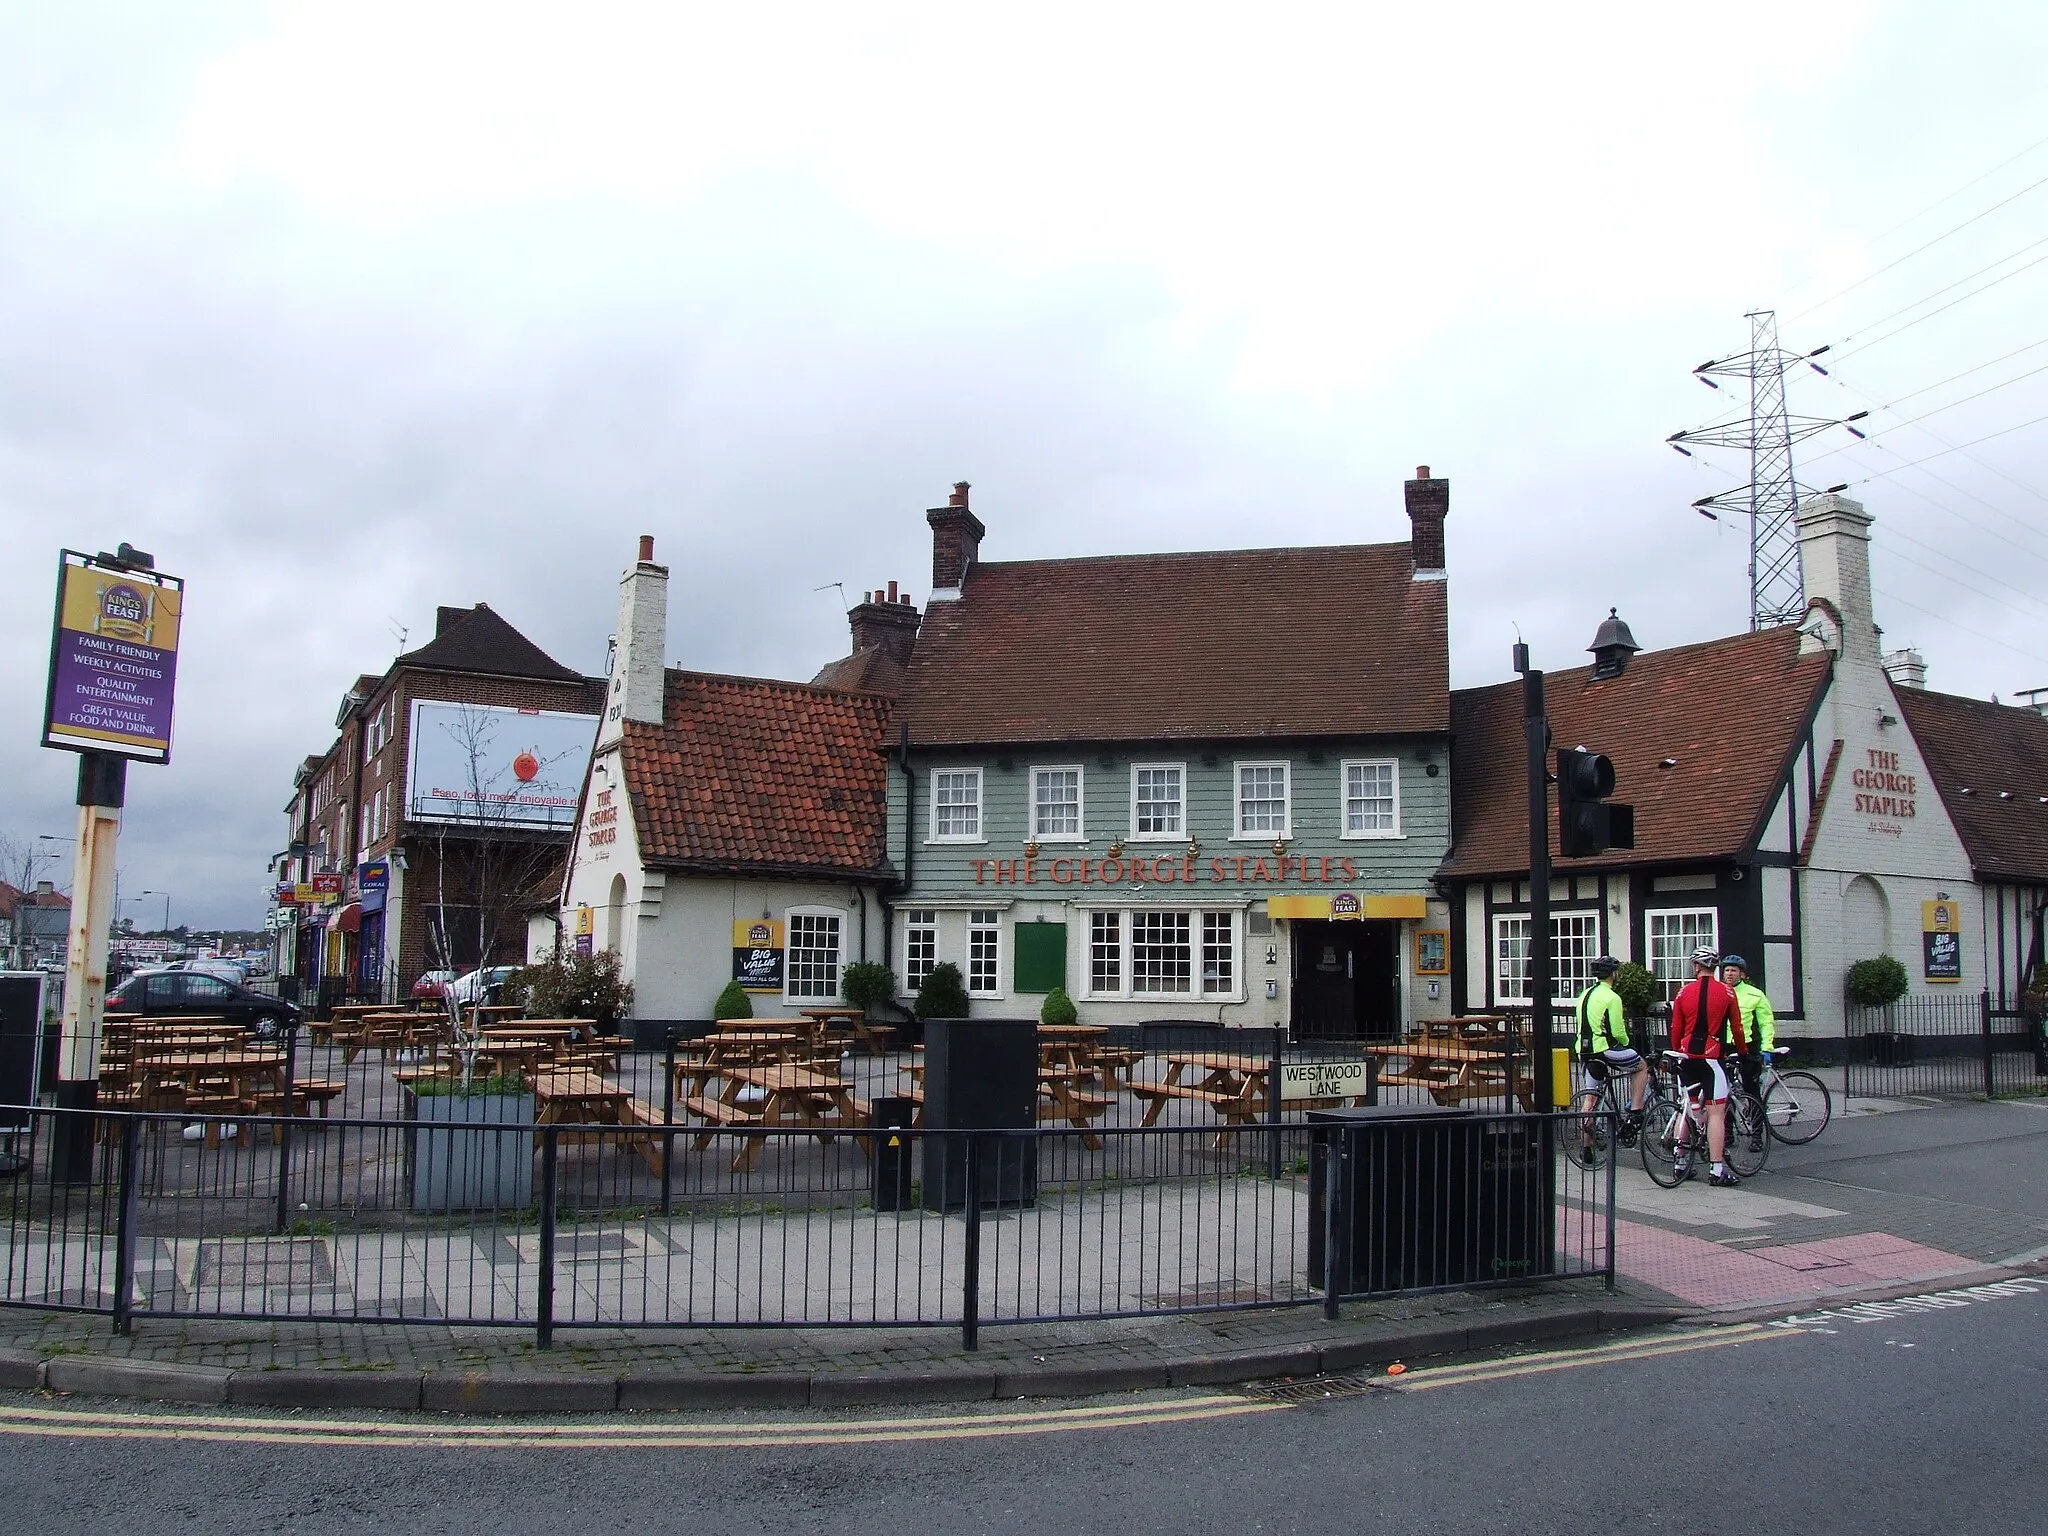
(1313, 1391)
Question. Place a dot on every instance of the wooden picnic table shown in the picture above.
(789, 1095)
(874, 1038)
(577, 1097)
(1234, 1086)
(220, 1083)
(1454, 1071)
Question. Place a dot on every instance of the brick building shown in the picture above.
(444, 804)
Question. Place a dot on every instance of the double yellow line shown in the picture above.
(609, 1434)
(1649, 1347)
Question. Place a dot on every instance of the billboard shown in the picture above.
(113, 659)
(482, 765)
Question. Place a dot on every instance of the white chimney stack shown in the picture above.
(638, 670)
(1834, 564)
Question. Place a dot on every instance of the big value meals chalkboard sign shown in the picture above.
(757, 951)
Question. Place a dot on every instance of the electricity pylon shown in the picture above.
(1776, 594)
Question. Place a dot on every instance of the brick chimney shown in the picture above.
(1429, 503)
(884, 621)
(1834, 565)
(956, 543)
(638, 671)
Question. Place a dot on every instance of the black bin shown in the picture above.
(892, 1117)
(1431, 1197)
(980, 1075)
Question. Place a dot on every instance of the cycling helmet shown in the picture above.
(1735, 960)
(1707, 956)
(1606, 965)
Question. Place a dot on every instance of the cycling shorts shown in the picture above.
(1617, 1062)
(1705, 1075)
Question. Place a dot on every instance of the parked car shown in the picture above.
(172, 993)
(481, 986)
(226, 970)
(432, 984)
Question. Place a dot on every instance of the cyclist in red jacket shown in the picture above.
(1701, 1014)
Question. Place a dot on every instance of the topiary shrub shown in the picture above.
(1877, 983)
(733, 1003)
(943, 995)
(1636, 987)
(1058, 1008)
(868, 982)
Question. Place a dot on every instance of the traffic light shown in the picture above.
(1587, 822)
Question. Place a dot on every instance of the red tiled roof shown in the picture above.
(1992, 751)
(1673, 703)
(9, 896)
(1336, 641)
(873, 670)
(766, 776)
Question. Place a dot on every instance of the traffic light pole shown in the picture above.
(1536, 741)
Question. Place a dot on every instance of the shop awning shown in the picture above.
(1347, 905)
(349, 919)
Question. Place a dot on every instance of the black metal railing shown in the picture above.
(1953, 1044)
(563, 1226)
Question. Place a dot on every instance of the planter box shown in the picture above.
(464, 1170)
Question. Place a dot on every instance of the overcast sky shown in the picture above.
(345, 312)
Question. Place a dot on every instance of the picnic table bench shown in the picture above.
(1452, 1072)
(587, 1098)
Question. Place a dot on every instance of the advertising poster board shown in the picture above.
(757, 951)
(1941, 941)
(113, 660)
(486, 765)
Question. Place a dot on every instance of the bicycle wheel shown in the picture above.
(1663, 1118)
(1749, 1135)
(1587, 1143)
(1796, 1107)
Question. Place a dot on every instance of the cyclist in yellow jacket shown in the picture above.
(1759, 1024)
(1604, 1050)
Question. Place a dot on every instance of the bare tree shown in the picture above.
(490, 864)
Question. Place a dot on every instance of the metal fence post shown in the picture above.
(970, 1299)
(1984, 1021)
(668, 1118)
(1613, 1162)
(1848, 1069)
(124, 1228)
(544, 1310)
(1273, 1071)
(282, 1133)
(1333, 1192)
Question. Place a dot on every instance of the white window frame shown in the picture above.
(1122, 920)
(1581, 925)
(919, 920)
(789, 976)
(1239, 833)
(1232, 946)
(1679, 961)
(980, 832)
(1179, 833)
(989, 921)
(1393, 765)
(1080, 832)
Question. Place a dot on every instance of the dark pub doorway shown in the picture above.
(1346, 980)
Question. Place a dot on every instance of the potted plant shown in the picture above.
(943, 995)
(1058, 1008)
(868, 984)
(1637, 989)
(1877, 984)
(733, 1003)
(576, 986)
(461, 1169)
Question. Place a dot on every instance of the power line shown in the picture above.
(1914, 421)
(1958, 448)
(1905, 309)
(1925, 388)
(1942, 618)
(1942, 310)
(1891, 533)
(1949, 197)
(1945, 234)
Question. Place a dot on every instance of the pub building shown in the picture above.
(1783, 810)
(729, 828)
(1206, 786)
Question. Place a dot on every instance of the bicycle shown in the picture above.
(1605, 1126)
(1796, 1104)
(1677, 1123)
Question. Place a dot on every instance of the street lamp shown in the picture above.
(167, 908)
